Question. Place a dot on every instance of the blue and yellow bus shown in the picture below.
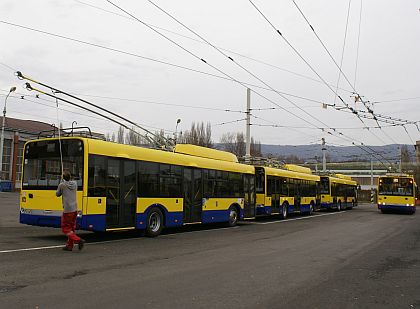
(291, 189)
(122, 187)
(397, 193)
(337, 192)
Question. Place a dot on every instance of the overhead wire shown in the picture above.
(206, 62)
(200, 41)
(358, 44)
(220, 71)
(149, 59)
(231, 59)
(342, 50)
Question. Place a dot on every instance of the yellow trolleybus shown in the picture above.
(285, 191)
(397, 193)
(337, 192)
(128, 187)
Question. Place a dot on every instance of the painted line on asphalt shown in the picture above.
(110, 241)
(300, 218)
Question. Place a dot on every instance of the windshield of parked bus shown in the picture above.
(324, 185)
(396, 186)
(42, 164)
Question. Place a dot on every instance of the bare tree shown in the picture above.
(234, 143)
(199, 134)
(132, 138)
(255, 148)
(109, 137)
(120, 135)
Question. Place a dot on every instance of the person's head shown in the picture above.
(66, 175)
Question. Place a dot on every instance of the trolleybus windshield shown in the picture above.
(42, 163)
(324, 185)
(396, 186)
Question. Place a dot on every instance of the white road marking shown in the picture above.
(109, 241)
(300, 218)
(166, 235)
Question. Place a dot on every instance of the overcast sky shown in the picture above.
(155, 94)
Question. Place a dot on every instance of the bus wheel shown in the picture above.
(233, 216)
(283, 214)
(339, 208)
(154, 222)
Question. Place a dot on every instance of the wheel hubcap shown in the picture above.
(233, 216)
(154, 222)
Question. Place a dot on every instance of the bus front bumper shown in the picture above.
(398, 207)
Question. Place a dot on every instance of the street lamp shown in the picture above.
(176, 129)
(2, 131)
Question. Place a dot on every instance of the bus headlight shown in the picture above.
(383, 203)
(79, 214)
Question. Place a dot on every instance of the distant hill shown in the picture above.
(312, 153)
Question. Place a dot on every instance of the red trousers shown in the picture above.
(68, 227)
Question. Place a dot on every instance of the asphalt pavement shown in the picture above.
(350, 259)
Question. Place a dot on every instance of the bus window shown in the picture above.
(96, 175)
(324, 186)
(42, 164)
(259, 180)
(148, 179)
(396, 186)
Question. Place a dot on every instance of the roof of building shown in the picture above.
(27, 126)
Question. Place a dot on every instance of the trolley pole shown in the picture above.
(248, 125)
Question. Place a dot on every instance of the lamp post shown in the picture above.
(176, 129)
(2, 131)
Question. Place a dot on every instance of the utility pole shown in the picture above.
(2, 132)
(400, 167)
(324, 159)
(371, 172)
(248, 124)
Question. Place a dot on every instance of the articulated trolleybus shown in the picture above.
(292, 189)
(337, 192)
(397, 193)
(126, 187)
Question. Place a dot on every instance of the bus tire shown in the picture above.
(383, 211)
(154, 223)
(233, 216)
(339, 207)
(283, 214)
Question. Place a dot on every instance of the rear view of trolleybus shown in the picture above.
(397, 193)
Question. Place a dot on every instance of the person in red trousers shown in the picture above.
(67, 189)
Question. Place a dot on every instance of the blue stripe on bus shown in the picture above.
(397, 207)
(263, 210)
(328, 205)
(87, 222)
(50, 221)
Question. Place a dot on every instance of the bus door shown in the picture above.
(275, 198)
(121, 193)
(193, 195)
(249, 190)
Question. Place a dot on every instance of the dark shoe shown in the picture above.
(81, 244)
(67, 248)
